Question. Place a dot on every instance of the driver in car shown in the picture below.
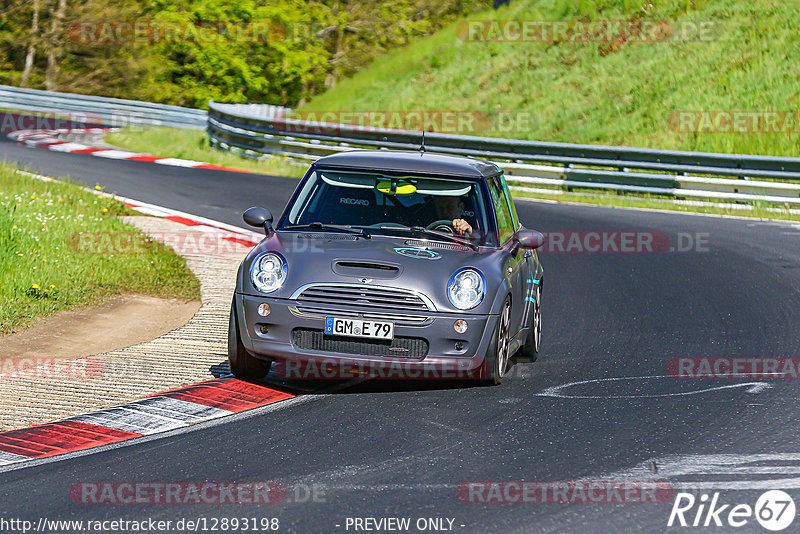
(451, 208)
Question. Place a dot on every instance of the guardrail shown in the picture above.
(111, 112)
(560, 166)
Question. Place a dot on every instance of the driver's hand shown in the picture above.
(461, 227)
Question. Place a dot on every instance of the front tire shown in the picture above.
(243, 365)
(533, 342)
(497, 355)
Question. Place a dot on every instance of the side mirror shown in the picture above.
(259, 218)
(530, 239)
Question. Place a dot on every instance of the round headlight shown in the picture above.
(466, 288)
(268, 272)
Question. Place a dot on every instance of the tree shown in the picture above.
(55, 45)
(26, 70)
(324, 41)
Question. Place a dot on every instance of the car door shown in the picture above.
(529, 271)
(515, 263)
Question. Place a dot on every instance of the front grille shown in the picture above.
(399, 347)
(362, 297)
(397, 318)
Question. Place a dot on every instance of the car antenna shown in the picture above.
(422, 146)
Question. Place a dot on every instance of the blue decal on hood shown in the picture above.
(419, 253)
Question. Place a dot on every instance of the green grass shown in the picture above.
(620, 94)
(194, 145)
(42, 271)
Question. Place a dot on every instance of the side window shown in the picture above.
(505, 217)
(510, 201)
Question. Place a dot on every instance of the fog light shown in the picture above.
(263, 309)
(264, 329)
(460, 326)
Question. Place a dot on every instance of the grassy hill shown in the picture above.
(614, 92)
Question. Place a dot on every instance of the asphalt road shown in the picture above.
(400, 450)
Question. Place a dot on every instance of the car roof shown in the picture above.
(411, 162)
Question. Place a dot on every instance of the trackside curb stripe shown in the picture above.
(59, 438)
(241, 237)
(229, 394)
(160, 413)
(47, 139)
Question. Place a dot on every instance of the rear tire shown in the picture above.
(243, 365)
(495, 363)
(533, 342)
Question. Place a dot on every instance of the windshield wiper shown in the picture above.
(458, 239)
(329, 228)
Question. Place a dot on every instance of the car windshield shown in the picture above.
(392, 205)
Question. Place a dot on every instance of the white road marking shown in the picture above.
(179, 162)
(129, 419)
(9, 458)
(151, 211)
(177, 409)
(69, 147)
(115, 154)
(42, 141)
(210, 229)
(671, 467)
(557, 391)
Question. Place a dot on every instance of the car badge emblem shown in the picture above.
(366, 280)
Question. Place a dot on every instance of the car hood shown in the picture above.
(399, 262)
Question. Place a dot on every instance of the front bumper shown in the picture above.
(280, 337)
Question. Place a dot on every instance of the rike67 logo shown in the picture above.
(774, 510)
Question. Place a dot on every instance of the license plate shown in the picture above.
(358, 328)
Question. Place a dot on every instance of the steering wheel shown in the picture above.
(442, 225)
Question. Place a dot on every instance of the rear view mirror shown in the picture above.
(530, 239)
(259, 218)
(396, 187)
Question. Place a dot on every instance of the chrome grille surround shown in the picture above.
(363, 299)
